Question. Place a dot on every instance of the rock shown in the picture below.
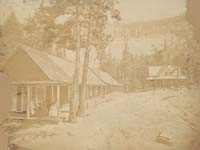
(18, 147)
(164, 138)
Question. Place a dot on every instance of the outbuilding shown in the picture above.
(166, 76)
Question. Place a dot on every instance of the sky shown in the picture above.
(144, 10)
(131, 10)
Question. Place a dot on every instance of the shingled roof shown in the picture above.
(47, 65)
(57, 68)
(105, 77)
(68, 67)
(61, 70)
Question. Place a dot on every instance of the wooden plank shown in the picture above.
(19, 99)
(28, 101)
(52, 94)
(58, 96)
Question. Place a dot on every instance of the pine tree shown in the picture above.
(192, 15)
(12, 34)
(96, 36)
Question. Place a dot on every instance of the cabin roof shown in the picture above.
(58, 69)
(68, 67)
(61, 70)
(105, 77)
(47, 65)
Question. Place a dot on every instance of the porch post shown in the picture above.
(102, 91)
(163, 83)
(171, 84)
(154, 85)
(67, 100)
(58, 95)
(45, 93)
(28, 101)
(52, 94)
(87, 92)
(90, 91)
(97, 91)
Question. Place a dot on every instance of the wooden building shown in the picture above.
(165, 77)
(111, 84)
(42, 81)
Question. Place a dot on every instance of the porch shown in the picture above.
(48, 99)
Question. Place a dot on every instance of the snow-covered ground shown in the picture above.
(132, 121)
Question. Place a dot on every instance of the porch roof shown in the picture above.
(38, 83)
(167, 78)
(105, 77)
(68, 67)
(57, 69)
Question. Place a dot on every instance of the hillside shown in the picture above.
(173, 25)
(143, 37)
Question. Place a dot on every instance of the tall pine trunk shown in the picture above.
(75, 85)
(82, 99)
(83, 91)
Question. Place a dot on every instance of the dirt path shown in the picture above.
(128, 122)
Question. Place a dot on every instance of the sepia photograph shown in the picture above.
(99, 74)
